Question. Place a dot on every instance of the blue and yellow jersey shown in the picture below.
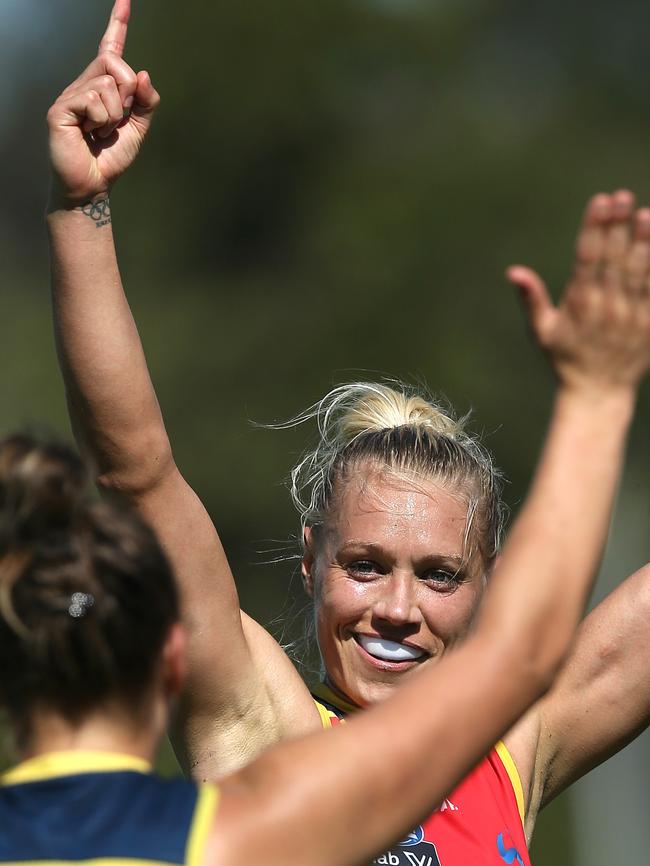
(78, 807)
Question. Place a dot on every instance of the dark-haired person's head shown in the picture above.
(89, 611)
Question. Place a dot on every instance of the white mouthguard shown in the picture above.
(388, 650)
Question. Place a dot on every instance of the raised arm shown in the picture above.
(575, 727)
(601, 701)
(411, 749)
(96, 128)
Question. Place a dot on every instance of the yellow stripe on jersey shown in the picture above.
(325, 692)
(70, 763)
(513, 774)
(97, 861)
(202, 822)
(326, 716)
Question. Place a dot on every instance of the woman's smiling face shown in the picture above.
(391, 586)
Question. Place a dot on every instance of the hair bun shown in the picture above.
(372, 407)
(41, 488)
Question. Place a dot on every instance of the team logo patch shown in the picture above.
(414, 837)
(414, 850)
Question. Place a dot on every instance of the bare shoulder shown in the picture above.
(572, 729)
(242, 693)
(275, 705)
(607, 668)
(294, 706)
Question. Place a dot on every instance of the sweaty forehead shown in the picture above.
(383, 508)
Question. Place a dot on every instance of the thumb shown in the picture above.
(145, 100)
(535, 296)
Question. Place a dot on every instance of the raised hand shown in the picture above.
(98, 124)
(598, 336)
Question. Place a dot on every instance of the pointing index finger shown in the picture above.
(114, 38)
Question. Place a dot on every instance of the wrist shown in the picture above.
(608, 404)
(60, 198)
(96, 209)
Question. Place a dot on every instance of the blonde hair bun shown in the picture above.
(393, 425)
(371, 407)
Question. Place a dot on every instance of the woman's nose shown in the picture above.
(397, 603)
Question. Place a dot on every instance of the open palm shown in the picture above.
(600, 331)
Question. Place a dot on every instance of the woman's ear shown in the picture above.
(489, 571)
(173, 659)
(307, 564)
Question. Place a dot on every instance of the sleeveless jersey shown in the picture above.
(78, 807)
(479, 824)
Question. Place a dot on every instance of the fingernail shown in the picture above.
(127, 104)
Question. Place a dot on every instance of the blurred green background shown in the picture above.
(332, 191)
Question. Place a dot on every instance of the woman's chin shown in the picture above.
(364, 693)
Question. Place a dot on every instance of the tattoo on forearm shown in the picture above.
(99, 211)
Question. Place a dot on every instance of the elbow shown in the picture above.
(139, 471)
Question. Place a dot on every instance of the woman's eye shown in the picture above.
(442, 579)
(363, 568)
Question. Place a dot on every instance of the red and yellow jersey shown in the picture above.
(479, 824)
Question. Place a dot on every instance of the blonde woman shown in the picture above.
(400, 507)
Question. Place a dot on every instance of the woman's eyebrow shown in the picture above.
(371, 547)
(360, 544)
(449, 560)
